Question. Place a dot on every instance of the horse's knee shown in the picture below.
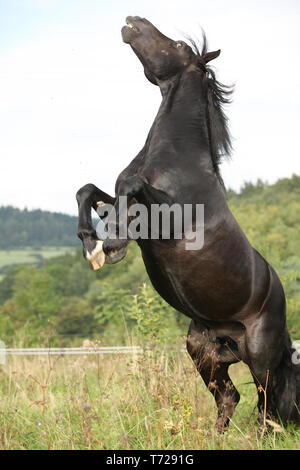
(85, 192)
(131, 185)
(190, 345)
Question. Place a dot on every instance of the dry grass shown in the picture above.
(155, 401)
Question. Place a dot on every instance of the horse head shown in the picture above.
(162, 57)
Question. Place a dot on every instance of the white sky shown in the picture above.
(75, 106)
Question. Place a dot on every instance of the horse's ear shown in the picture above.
(211, 55)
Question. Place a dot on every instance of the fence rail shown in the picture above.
(81, 351)
(70, 351)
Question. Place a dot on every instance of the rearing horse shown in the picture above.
(231, 293)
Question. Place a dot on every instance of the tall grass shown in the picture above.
(154, 400)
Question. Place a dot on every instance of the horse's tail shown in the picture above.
(287, 384)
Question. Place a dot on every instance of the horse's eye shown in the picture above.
(179, 45)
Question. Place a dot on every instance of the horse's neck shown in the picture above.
(181, 122)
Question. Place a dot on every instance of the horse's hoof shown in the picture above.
(97, 257)
(114, 249)
(115, 256)
(222, 425)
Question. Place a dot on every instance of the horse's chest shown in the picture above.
(165, 267)
(161, 172)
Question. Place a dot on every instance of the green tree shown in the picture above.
(76, 318)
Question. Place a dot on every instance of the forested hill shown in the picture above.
(266, 205)
(36, 228)
(285, 190)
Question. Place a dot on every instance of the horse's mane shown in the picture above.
(218, 94)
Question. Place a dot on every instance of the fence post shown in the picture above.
(2, 353)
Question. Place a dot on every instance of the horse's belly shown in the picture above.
(199, 284)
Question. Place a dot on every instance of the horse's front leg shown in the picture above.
(129, 190)
(88, 197)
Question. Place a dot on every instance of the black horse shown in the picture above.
(231, 293)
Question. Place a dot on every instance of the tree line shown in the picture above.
(36, 228)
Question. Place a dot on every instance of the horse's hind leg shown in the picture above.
(212, 360)
(264, 344)
(263, 354)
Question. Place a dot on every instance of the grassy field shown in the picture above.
(30, 255)
(153, 401)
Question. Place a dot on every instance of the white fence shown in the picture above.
(4, 352)
(65, 351)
